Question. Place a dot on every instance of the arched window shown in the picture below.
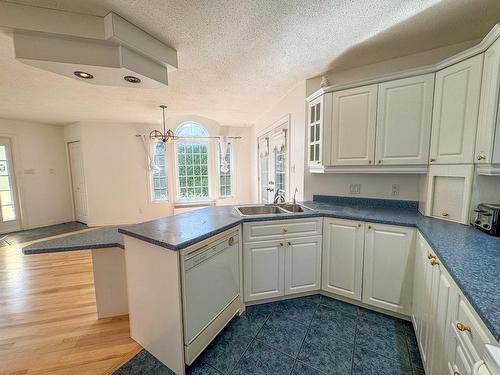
(192, 163)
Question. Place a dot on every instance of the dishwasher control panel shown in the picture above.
(205, 254)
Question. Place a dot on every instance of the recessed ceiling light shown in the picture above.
(132, 79)
(83, 75)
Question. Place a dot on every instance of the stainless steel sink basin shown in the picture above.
(260, 210)
(290, 207)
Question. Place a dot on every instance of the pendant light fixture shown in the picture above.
(167, 136)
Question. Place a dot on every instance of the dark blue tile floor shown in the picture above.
(303, 336)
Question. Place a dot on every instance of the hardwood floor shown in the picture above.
(48, 320)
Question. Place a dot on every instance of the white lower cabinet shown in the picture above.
(289, 264)
(302, 264)
(388, 267)
(263, 269)
(343, 244)
(449, 334)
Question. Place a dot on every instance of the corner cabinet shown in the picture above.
(353, 126)
(343, 246)
(456, 106)
(388, 267)
(319, 131)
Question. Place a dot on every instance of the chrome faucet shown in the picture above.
(279, 197)
(294, 195)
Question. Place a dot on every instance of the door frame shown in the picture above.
(71, 179)
(283, 123)
(17, 183)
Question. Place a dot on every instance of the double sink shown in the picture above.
(271, 209)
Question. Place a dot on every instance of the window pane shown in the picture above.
(6, 198)
(8, 213)
(4, 183)
(225, 178)
(159, 178)
(312, 114)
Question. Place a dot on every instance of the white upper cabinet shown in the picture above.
(404, 118)
(487, 142)
(319, 131)
(353, 122)
(456, 104)
(343, 243)
(388, 267)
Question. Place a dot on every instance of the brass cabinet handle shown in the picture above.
(431, 256)
(434, 262)
(231, 241)
(445, 214)
(380, 161)
(369, 161)
(432, 160)
(462, 328)
(281, 244)
(481, 156)
(359, 225)
(285, 230)
(456, 373)
(289, 244)
(369, 227)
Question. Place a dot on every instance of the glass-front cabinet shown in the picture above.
(319, 133)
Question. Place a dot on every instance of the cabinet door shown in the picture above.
(388, 267)
(488, 107)
(319, 130)
(302, 264)
(353, 126)
(263, 269)
(418, 288)
(404, 121)
(456, 104)
(441, 306)
(343, 243)
(449, 192)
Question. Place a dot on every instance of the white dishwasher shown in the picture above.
(211, 292)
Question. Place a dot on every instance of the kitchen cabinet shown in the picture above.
(319, 130)
(449, 190)
(488, 130)
(388, 267)
(343, 246)
(449, 333)
(281, 257)
(404, 115)
(302, 264)
(456, 105)
(353, 126)
(264, 268)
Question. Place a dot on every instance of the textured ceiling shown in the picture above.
(237, 58)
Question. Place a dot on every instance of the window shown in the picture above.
(192, 163)
(8, 212)
(225, 178)
(279, 169)
(159, 178)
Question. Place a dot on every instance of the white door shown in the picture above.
(303, 264)
(456, 105)
(9, 213)
(354, 120)
(404, 118)
(78, 181)
(263, 269)
(273, 159)
(343, 243)
(388, 267)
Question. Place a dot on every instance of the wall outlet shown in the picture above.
(395, 189)
(354, 188)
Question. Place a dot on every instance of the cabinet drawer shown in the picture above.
(459, 362)
(470, 331)
(272, 229)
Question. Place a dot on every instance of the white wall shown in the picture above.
(45, 196)
(293, 105)
(117, 180)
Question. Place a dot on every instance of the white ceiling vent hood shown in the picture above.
(98, 50)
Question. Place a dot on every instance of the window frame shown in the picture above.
(231, 172)
(179, 201)
(151, 178)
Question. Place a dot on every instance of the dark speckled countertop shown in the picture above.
(471, 257)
